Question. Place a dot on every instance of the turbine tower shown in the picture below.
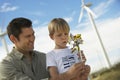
(91, 14)
(2, 37)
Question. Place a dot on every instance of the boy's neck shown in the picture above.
(56, 47)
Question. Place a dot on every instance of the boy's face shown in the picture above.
(61, 39)
(26, 40)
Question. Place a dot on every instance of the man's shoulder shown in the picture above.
(8, 57)
(7, 61)
(40, 54)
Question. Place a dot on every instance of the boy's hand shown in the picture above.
(82, 56)
(75, 69)
(84, 75)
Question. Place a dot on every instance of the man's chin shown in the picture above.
(31, 49)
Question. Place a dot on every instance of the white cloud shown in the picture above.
(7, 7)
(43, 42)
(2, 53)
(35, 22)
(68, 19)
(110, 31)
(102, 8)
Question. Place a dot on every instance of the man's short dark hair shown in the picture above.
(16, 25)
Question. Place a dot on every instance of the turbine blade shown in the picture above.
(2, 33)
(90, 11)
(81, 15)
(4, 44)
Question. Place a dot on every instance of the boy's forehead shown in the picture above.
(61, 31)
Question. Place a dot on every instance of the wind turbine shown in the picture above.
(91, 14)
(2, 35)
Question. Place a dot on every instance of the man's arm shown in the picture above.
(9, 72)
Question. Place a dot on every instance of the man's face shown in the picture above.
(26, 40)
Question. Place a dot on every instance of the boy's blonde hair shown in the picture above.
(58, 25)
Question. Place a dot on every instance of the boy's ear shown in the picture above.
(51, 36)
(13, 38)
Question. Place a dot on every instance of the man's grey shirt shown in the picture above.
(16, 67)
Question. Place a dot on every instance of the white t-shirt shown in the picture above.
(62, 59)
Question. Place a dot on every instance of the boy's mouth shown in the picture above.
(64, 41)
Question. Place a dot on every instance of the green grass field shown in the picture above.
(107, 74)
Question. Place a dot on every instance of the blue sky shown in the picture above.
(42, 11)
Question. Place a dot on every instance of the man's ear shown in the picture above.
(13, 38)
(51, 36)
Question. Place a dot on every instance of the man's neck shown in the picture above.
(27, 54)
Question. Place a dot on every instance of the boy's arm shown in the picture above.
(74, 71)
(53, 72)
(54, 75)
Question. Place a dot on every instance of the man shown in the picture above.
(23, 62)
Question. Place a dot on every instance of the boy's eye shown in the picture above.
(59, 35)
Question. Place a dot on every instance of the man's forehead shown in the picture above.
(27, 30)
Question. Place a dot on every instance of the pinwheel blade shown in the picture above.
(71, 36)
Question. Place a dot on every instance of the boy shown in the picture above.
(61, 58)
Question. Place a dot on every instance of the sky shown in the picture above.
(41, 12)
